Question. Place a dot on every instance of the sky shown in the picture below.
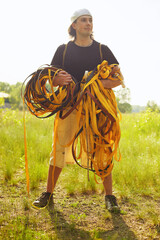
(31, 31)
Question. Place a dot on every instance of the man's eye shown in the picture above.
(85, 20)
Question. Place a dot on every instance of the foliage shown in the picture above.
(149, 123)
(123, 99)
(123, 95)
(153, 106)
(15, 96)
(5, 87)
(1, 102)
(14, 92)
(125, 107)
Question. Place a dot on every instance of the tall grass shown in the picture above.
(39, 140)
(139, 170)
(137, 173)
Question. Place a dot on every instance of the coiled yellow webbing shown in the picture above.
(97, 113)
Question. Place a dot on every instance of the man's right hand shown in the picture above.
(62, 78)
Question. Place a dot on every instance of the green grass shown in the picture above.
(137, 172)
(135, 177)
(39, 141)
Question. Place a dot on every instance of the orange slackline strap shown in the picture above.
(25, 149)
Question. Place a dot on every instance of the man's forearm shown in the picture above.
(107, 83)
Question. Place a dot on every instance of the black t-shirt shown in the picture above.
(80, 59)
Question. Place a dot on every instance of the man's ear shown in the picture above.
(74, 25)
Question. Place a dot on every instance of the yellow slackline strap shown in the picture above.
(103, 131)
(26, 160)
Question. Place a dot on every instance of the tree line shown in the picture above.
(14, 99)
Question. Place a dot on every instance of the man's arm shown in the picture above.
(107, 83)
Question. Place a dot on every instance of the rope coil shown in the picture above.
(98, 117)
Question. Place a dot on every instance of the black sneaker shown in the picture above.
(45, 199)
(111, 203)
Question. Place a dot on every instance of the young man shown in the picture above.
(80, 55)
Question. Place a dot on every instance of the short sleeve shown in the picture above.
(58, 56)
(108, 55)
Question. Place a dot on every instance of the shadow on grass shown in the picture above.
(65, 230)
(120, 230)
(69, 231)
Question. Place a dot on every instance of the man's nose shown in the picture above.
(88, 22)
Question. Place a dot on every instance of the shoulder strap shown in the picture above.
(65, 49)
(100, 51)
(64, 54)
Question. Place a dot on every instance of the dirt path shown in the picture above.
(71, 217)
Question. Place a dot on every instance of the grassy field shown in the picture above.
(79, 211)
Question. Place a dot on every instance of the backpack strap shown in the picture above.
(65, 49)
(100, 51)
(64, 54)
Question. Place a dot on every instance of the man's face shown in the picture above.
(83, 25)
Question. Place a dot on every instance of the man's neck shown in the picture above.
(83, 42)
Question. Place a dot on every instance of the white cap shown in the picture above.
(79, 13)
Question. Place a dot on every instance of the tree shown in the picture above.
(125, 107)
(153, 106)
(5, 87)
(123, 95)
(123, 99)
(15, 96)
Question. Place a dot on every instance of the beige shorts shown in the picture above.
(67, 129)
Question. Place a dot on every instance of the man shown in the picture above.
(80, 55)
